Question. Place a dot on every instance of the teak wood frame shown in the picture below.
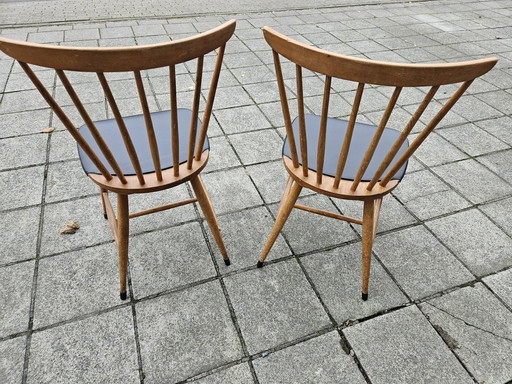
(362, 72)
(135, 59)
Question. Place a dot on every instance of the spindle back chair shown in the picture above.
(344, 158)
(142, 153)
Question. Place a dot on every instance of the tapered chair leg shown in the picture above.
(209, 214)
(371, 211)
(285, 208)
(122, 241)
(103, 203)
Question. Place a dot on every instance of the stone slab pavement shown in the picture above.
(440, 306)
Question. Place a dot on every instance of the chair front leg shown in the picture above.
(369, 228)
(292, 192)
(122, 242)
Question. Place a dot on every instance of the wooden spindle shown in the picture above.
(195, 112)
(426, 131)
(102, 145)
(302, 123)
(175, 136)
(348, 135)
(375, 140)
(130, 148)
(402, 137)
(153, 146)
(323, 130)
(65, 120)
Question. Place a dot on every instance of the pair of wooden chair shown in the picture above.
(154, 151)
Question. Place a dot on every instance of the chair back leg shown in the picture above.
(122, 241)
(287, 203)
(209, 214)
(371, 211)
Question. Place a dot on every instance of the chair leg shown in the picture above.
(371, 212)
(206, 206)
(103, 203)
(122, 241)
(289, 199)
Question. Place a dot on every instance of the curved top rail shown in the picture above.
(375, 72)
(118, 59)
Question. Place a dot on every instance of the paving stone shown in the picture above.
(67, 180)
(319, 360)
(480, 244)
(275, 305)
(231, 190)
(116, 32)
(478, 329)
(500, 212)
(19, 234)
(12, 354)
(473, 180)
(472, 140)
(97, 349)
(15, 292)
(499, 163)
(63, 147)
(82, 34)
(392, 215)
(257, 147)
(21, 187)
(270, 179)
(308, 231)
(498, 127)
(169, 258)
(245, 234)
(402, 345)
(436, 150)
(237, 374)
(88, 213)
(23, 151)
(501, 284)
(65, 289)
(222, 155)
(22, 101)
(252, 75)
(231, 97)
(419, 263)
(186, 333)
(243, 119)
(336, 275)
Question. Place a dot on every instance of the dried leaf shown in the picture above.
(47, 130)
(70, 228)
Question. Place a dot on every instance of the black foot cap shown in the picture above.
(227, 261)
(105, 216)
(123, 295)
(259, 264)
(364, 296)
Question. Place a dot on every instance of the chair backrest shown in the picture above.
(129, 59)
(364, 72)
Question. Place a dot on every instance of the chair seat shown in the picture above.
(136, 127)
(361, 138)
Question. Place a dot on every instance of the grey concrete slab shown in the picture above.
(21, 187)
(307, 231)
(270, 179)
(63, 147)
(105, 342)
(499, 163)
(318, 360)
(257, 147)
(473, 180)
(500, 212)
(19, 234)
(275, 305)
(186, 333)
(237, 374)
(501, 284)
(419, 262)
(478, 329)
(499, 128)
(65, 289)
(472, 140)
(245, 234)
(235, 120)
(23, 151)
(336, 275)
(403, 347)
(242, 192)
(482, 246)
(12, 354)
(68, 180)
(436, 150)
(169, 258)
(16, 287)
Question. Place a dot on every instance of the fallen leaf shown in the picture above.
(70, 228)
(47, 130)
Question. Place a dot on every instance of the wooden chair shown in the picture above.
(347, 159)
(143, 153)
